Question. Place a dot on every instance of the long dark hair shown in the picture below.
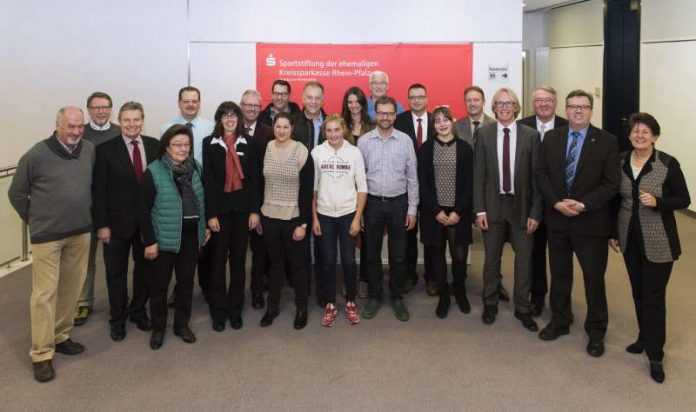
(223, 109)
(345, 112)
(169, 134)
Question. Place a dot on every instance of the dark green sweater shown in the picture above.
(52, 190)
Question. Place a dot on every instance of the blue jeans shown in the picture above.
(336, 230)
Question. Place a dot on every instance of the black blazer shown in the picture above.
(531, 121)
(597, 179)
(303, 130)
(218, 202)
(115, 188)
(463, 190)
(404, 123)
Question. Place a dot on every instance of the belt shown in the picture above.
(387, 199)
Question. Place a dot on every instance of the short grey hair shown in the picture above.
(60, 117)
(251, 92)
(379, 73)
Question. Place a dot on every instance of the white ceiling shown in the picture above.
(531, 5)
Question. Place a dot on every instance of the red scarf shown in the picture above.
(233, 168)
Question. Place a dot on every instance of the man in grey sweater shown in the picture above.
(98, 130)
(51, 191)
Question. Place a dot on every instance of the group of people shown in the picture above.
(298, 185)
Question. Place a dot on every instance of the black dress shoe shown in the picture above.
(218, 326)
(69, 347)
(489, 313)
(535, 310)
(657, 372)
(185, 334)
(595, 348)
(43, 371)
(503, 294)
(142, 323)
(552, 332)
(118, 332)
(257, 301)
(527, 321)
(636, 347)
(236, 322)
(300, 319)
(267, 319)
(156, 339)
(442, 307)
(463, 303)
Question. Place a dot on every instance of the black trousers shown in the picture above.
(259, 262)
(592, 253)
(183, 264)
(539, 286)
(278, 237)
(649, 284)
(458, 252)
(228, 245)
(116, 255)
(392, 215)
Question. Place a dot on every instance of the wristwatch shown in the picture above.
(582, 206)
(303, 226)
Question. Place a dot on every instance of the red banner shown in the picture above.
(444, 69)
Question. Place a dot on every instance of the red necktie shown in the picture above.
(506, 161)
(419, 133)
(137, 161)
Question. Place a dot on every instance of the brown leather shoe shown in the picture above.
(43, 371)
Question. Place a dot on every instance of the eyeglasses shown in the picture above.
(505, 104)
(546, 100)
(99, 108)
(180, 145)
(579, 107)
(314, 98)
(280, 94)
(379, 83)
(251, 106)
(386, 114)
(417, 98)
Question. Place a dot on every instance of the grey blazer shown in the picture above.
(487, 181)
(462, 128)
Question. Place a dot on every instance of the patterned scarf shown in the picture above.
(183, 175)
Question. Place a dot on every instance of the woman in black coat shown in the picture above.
(652, 188)
(230, 177)
(445, 170)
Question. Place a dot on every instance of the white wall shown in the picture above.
(667, 70)
(56, 53)
(576, 52)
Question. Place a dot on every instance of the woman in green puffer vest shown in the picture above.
(172, 219)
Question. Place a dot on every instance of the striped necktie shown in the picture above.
(570, 160)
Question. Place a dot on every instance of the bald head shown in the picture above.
(70, 125)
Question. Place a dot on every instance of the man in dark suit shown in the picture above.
(578, 175)
(465, 128)
(506, 201)
(119, 167)
(307, 130)
(543, 120)
(417, 124)
(260, 135)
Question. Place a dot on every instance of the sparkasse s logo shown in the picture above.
(270, 60)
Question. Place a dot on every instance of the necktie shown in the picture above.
(189, 125)
(570, 160)
(137, 161)
(476, 125)
(419, 133)
(507, 186)
(542, 130)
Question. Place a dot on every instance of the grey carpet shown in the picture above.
(380, 364)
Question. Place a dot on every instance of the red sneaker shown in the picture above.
(352, 316)
(329, 315)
